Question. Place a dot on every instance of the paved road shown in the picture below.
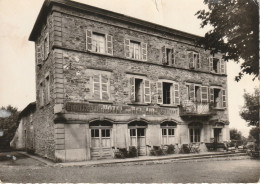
(224, 171)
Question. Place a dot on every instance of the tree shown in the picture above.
(235, 134)
(250, 110)
(235, 32)
(254, 133)
(9, 124)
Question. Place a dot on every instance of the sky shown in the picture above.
(17, 57)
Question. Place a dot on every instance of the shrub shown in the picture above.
(170, 149)
(185, 148)
(156, 151)
(132, 152)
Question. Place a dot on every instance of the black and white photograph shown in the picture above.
(129, 91)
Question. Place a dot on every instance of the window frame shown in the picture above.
(173, 92)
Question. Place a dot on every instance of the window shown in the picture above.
(98, 42)
(47, 89)
(41, 94)
(135, 50)
(197, 93)
(168, 56)
(217, 65)
(94, 132)
(168, 93)
(140, 90)
(194, 60)
(46, 46)
(218, 97)
(168, 132)
(132, 132)
(101, 87)
(140, 132)
(194, 135)
(105, 132)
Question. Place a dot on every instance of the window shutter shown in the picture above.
(211, 97)
(42, 51)
(127, 48)
(173, 56)
(39, 55)
(144, 51)
(159, 93)
(109, 44)
(199, 61)
(104, 87)
(96, 88)
(132, 89)
(147, 91)
(89, 40)
(222, 66)
(191, 60)
(224, 104)
(204, 94)
(176, 94)
(47, 51)
(210, 64)
(192, 92)
(164, 55)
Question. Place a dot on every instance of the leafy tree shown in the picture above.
(235, 32)
(9, 124)
(254, 133)
(250, 110)
(235, 134)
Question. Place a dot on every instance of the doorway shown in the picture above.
(217, 134)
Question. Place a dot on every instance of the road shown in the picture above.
(206, 171)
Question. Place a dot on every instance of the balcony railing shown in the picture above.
(195, 108)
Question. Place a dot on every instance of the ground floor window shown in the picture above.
(195, 131)
(168, 132)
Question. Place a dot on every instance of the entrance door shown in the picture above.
(137, 139)
(217, 134)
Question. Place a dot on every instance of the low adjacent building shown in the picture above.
(106, 81)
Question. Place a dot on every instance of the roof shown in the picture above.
(47, 5)
(29, 108)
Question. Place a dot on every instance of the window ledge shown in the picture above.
(219, 108)
(99, 53)
(100, 101)
(168, 105)
(136, 59)
(138, 104)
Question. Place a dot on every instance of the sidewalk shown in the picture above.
(173, 157)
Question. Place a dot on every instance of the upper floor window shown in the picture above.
(194, 60)
(197, 93)
(46, 46)
(98, 42)
(101, 87)
(217, 65)
(135, 50)
(218, 97)
(47, 89)
(41, 94)
(168, 56)
(168, 93)
(140, 90)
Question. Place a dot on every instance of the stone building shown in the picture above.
(106, 81)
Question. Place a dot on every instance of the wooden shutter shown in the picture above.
(192, 92)
(144, 51)
(132, 89)
(159, 93)
(191, 60)
(224, 104)
(173, 56)
(104, 87)
(211, 95)
(147, 91)
(176, 94)
(109, 40)
(210, 64)
(42, 51)
(39, 55)
(127, 48)
(47, 46)
(96, 87)
(164, 61)
(89, 40)
(199, 61)
(222, 66)
(204, 94)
